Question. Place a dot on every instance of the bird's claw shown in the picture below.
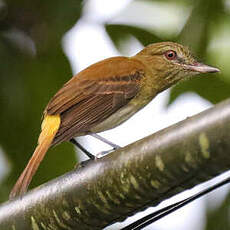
(104, 153)
(84, 163)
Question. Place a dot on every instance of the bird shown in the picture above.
(106, 94)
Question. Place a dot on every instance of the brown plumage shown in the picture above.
(94, 94)
(106, 94)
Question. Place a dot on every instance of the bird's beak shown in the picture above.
(202, 68)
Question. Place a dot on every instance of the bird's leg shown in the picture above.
(90, 155)
(103, 153)
(105, 140)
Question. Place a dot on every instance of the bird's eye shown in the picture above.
(170, 55)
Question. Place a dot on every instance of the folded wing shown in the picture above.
(94, 94)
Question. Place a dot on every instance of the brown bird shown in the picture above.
(106, 94)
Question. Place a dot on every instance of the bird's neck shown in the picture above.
(153, 82)
(158, 77)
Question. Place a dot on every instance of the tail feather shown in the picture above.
(50, 126)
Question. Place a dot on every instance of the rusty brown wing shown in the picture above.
(94, 94)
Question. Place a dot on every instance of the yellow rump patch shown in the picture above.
(50, 126)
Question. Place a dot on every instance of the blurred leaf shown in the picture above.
(211, 88)
(219, 218)
(170, 1)
(197, 33)
(28, 82)
(118, 33)
(56, 16)
(198, 29)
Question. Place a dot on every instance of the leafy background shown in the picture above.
(34, 66)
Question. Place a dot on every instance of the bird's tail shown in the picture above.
(50, 126)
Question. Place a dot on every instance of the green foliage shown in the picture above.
(33, 67)
(210, 87)
(198, 32)
(218, 218)
(119, 32)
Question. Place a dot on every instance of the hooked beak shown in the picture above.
(202, 68)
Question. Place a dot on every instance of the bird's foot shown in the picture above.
(84, 163)
(104, 153)
(93, 158)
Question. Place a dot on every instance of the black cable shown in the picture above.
(141, 223)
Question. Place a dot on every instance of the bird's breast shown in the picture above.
(115, 119)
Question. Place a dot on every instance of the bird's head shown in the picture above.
(171, 62)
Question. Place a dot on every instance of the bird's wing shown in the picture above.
(94, 94)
